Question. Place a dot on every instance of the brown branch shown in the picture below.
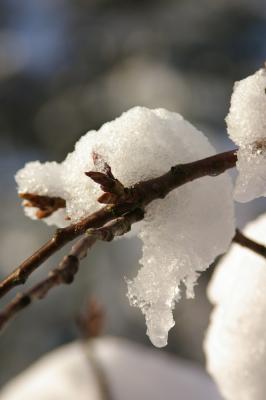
(60, 238)
(114, 190)
(244, 241)
(111, 221)
(91, 321)
(68, 267)
(46, 205)
(140, 195)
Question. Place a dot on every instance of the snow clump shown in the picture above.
(246, 123)
(182, 234)
(235, 344)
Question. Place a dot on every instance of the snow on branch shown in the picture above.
(104, 224)
(127, 159)
(142, 193)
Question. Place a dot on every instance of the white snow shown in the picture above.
(235, 344)
(246, 123)
(251, 181)
(181, 234)
(130, 370)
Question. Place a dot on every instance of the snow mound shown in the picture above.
(182, 234)
(235, 344)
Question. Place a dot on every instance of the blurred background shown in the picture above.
(67, 66)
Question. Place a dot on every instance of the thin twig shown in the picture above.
(140, 195)
(68, 267)
(60, 239)
(244, 241)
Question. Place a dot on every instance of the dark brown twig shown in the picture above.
(46, 205)
(67, 269)
(244, 241)
(114, 190)
(91, 321)
(140, 195)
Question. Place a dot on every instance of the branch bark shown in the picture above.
(138, 196)
(69, 266)
(244, 241)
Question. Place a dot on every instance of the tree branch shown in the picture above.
(46, 205)
(244, 241)
(138, 196)
(68, 267)
(108, 222)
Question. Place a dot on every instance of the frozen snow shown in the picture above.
(181, 234)
(246, 124)
(235, 344)
(131, 372)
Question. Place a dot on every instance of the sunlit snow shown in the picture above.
(246, 124)
(182, 234)
(235, 344)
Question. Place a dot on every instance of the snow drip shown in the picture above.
(181, 234)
